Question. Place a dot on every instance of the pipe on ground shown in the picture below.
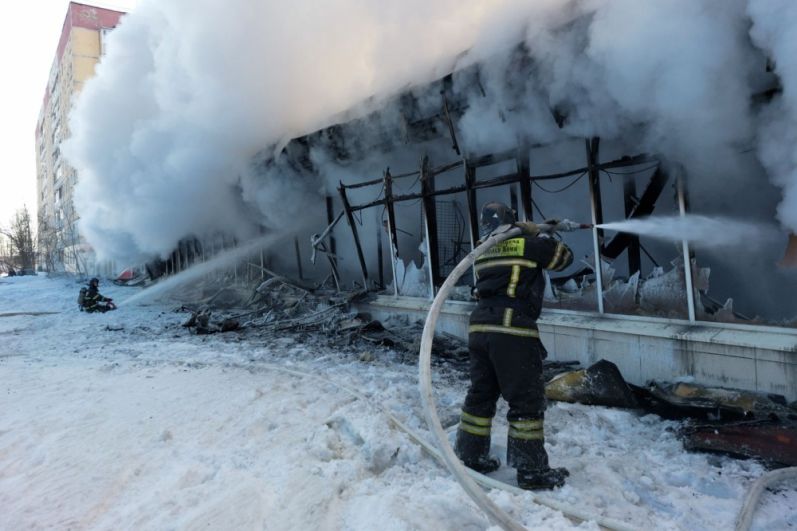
(453, 463)
(745, 518)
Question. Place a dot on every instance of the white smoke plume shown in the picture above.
(190, 91)
(775, 30)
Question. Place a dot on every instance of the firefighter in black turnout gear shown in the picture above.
(90, 299)
(506, 353)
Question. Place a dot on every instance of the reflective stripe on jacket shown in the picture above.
(510, 283)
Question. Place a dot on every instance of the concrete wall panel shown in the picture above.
(755, 358)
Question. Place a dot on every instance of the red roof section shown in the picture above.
(89, 17)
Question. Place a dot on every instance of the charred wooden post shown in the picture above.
(298, 257)
(444, 92)
(353, 225)
(430, 217)
(330, 219)
(593, 145)
(391, 227)
(380, 261)
(235, 267)
(524, 176)
(473, 209)
(630, 200)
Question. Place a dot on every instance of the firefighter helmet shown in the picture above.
(94, 282)
(495, 214)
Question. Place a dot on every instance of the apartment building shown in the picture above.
(79, 50)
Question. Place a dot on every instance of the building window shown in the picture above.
(57, 135)
(103, 36)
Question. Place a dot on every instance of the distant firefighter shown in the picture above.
(505, 350)
(90, 300)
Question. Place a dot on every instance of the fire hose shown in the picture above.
(745, 518)
(487, 482)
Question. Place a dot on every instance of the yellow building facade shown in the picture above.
(80, 47)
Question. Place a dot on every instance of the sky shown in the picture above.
(27, 48)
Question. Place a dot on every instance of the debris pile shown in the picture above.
(200, 321)
(729, 421)
(280, 305)
(601, 384)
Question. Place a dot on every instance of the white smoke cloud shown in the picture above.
(190, 91)
(671, 76)
(775, 30)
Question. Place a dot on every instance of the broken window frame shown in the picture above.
(471, 184)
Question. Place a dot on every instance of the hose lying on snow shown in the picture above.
(488, 482)
(745, 518)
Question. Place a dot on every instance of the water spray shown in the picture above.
(708, 232)
(198, 271)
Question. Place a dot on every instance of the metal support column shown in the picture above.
(380, 261)
(353, 225)
(524, 172)
(473, 209)
(331, 218)
(430, 217)
(392, 234)
(597, 214)
(690, 292)
(235, 269)
(298, 256)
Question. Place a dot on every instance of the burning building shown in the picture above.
(574, 111)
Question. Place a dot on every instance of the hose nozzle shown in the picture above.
(568, 226)
(565, 225)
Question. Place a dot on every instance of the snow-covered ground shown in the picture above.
(126, 420)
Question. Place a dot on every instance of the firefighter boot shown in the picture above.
(548, 478)
(526, 452)
(473, 444)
